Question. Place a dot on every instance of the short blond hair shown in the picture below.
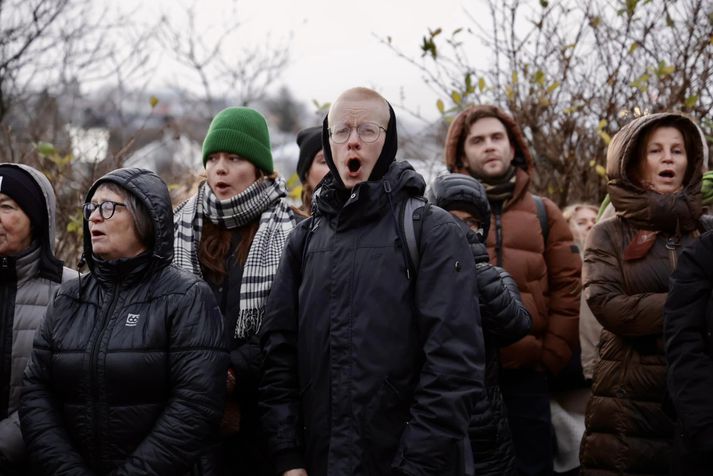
(360, 94)
(570, 210)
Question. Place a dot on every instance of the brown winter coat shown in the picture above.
(548, 278)
(627, 429)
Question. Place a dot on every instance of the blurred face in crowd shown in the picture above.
(357, 132)
(663, 166)
(114, 237)
(15, 229)
(487, 149)
(472, 222)
(317, 170)
(229, 174)
(582, 221)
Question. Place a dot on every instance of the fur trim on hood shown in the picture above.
(458, 130)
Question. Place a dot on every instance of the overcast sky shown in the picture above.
(334, 43)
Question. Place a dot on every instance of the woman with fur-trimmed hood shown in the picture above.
(654, 165)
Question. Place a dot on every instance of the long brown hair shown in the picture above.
(215, 245)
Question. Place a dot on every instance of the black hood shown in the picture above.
(153, 193)
(386, 158)
(368, 200)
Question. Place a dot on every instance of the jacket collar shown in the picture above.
(368, 200)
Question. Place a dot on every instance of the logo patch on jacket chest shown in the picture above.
(132, 320)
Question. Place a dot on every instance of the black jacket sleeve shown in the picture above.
(688, 321)
(452, 375)
(43, 429)
(279, 387)
(501, 308)
(246, 361)
(198, 362)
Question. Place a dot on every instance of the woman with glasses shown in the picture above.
(29, 276)
(232, 233)
(127, 371)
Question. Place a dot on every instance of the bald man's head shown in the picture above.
(362, 99)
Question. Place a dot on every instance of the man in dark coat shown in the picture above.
(370, 369)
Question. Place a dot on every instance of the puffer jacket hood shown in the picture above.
(153, 193)
(462, 192)
(648, 209)
(459, 128)
(386, 158)
(50, 267)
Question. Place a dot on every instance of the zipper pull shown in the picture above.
(4, 263)
(672, 243)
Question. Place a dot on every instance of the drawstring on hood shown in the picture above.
(399, 231)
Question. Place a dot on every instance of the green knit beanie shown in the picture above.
(242, 131)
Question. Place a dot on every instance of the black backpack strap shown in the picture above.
(305, 245)
(542, 217)
(411, 221)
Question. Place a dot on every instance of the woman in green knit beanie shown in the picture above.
(232, 233)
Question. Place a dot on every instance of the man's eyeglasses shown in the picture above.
(106, 209)
(368, 132)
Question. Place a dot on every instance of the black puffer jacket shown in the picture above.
(505, 320)
(127, 375)
(366, 371)
(688, 329)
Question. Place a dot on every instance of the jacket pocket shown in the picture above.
(386, 417)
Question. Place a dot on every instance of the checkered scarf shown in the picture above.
(262, 199)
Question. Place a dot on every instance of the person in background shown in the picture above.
(232, 233)
(29, 276)
(571, 388)
(311, 167)
(127, 374)
(504, 320)
(707, 192)
(654, 166)
(370, 369)
(486, 143)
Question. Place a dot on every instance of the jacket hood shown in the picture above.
(646, 208)
(50, 266)
(153, 193)
(459, 128)
(386, 158)
(462, 192)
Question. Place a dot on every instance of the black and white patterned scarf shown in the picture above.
(262, 199)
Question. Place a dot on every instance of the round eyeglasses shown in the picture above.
(368, 132)
(106, 209)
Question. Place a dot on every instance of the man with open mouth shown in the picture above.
(371, 369)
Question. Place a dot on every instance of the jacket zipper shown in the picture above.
(499, 238)
(93, 367)
(671, 246)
